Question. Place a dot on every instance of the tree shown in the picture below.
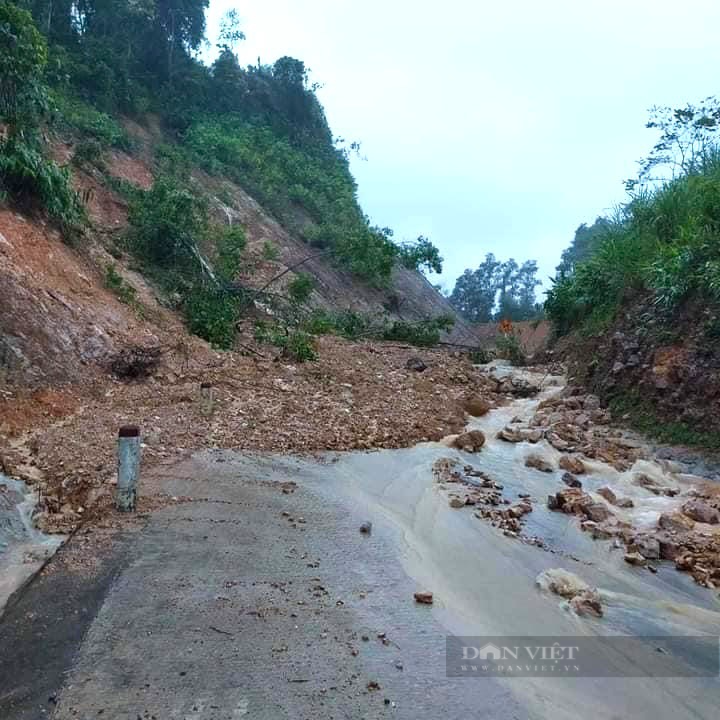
(230, 33)
(497, 291)
(686, 134)
(586, 241)
(475, 291)
(23, 56)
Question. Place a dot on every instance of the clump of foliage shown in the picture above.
(212, 314)
(167, 225)
(300, 288)
(421, 254)
(664, 240)
(89, 122)
(116, 284)
(230, 243)
(27, 175)
(509, 347)
(295, 343)
(354, 326)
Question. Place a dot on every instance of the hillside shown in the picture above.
(208, 198)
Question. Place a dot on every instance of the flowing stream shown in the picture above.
(487, 584)
(23, 548)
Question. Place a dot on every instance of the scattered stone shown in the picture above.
(538, 463)
(416, 364)
(366, 528)
(647, 546)
(587, 603)
(424, 598)
(597, 512)
(571, 481)
(701, 512)
(471, 441)
(572, 464)
(457, 503)
(634, 558)
(608, 494)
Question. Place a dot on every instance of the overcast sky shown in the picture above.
(491, 126)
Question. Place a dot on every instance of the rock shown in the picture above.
(557, 442)
(424, 598)
(477, 407)
(587, 603)
(647, 546)
(456, 502)
(416, 364)
(624, 503)
(553, 503)
(675, 522)
(597, 512)
(538, 463)
(634, 558)
(571, 500)
(669, 547)
(471, 441)
(520, 509)
(509, 434)
(701, 512)
(572, 464)
(571, 481)
(608, 494)
(366, 528)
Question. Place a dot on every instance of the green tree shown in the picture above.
(23, 56)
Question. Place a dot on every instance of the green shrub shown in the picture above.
(114, 282)
(29, 177)
(300, 288)
(230, 244)
(90, 122)
(212, 315)
(295, 344)
(270, 253)
(166, 224)
(509, 348)
(89, 152)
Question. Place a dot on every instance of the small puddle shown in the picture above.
(23, 548)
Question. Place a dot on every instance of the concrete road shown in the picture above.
(254, 597)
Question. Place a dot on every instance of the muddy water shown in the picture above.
(23, 548)
(487, 584)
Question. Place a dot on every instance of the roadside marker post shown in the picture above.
(128, 468)
(206, 399)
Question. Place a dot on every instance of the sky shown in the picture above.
(491, 126)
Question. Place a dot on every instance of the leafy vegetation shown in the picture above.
(115, 283)
(27, 175)
(664, 241)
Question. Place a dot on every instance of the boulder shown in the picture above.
(597, 512)
(456, 503)
(634, 558)
(675, 522)
(538, 463)
(646, 545)
(701, 512)
(416, 364)
(587, 603)
(608, 494)
(471, 441)
(572, 464)
(477, 407)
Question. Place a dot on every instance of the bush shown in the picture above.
(212, 315)
(230, 244)
(509, 348)
(28, 177)
(89, 152)
(166, 224)
(300, 288)
(90, 122)
(295, 344)
(116, 284)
